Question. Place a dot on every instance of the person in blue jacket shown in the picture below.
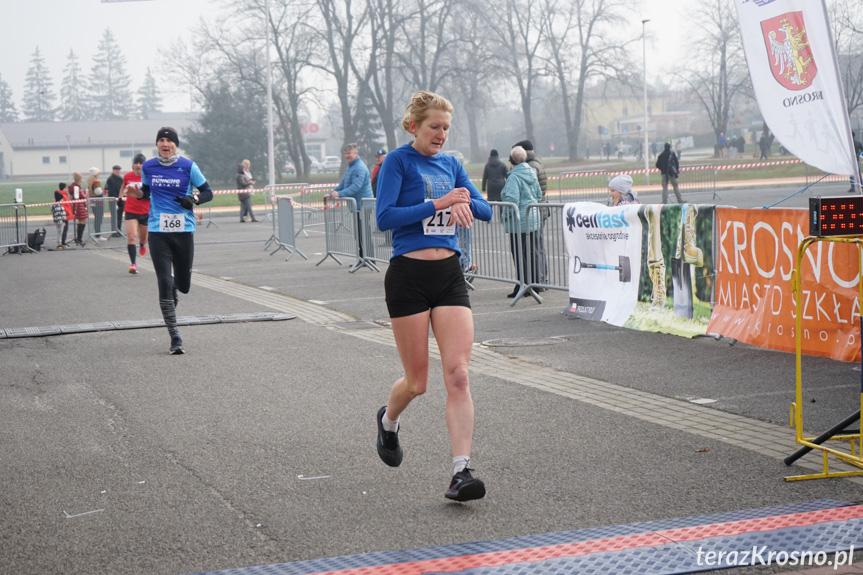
(422, 196)
(168, 181)
(356, 184)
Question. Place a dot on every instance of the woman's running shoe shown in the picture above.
(143, 250)
(465, 487)
(389, 448)
(133, 269)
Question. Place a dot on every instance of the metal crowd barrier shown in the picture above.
(581, 187)
(553, 259)
(204, 213)
(377, 245)
(814, 176)
(491, 250)
(695, 180)
(312, 205)
(97, 226)
(271, 196)
(341, 221)
(283, 213)
(13, 228)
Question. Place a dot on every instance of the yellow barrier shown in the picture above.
(854, 455)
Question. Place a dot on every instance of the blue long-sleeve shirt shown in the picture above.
(166, 184)
(406, 180)
(356, 183)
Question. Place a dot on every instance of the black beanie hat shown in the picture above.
(494, 154)
(526, 144)
(62, 185)
(139, 159)
(169, 133)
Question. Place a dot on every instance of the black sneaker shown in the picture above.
(389, 449)
(465, 487)
(177, 345)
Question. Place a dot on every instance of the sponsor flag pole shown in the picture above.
(795, 73)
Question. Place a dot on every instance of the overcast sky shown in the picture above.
(142, 27)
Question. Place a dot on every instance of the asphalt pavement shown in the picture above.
(257, 446)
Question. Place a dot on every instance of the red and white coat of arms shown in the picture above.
(787, 45)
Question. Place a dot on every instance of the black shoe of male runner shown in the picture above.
(465, 487)
(177, 345)
(389, 449)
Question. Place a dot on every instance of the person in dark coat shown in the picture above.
(113, 186)
(494, 176)
(668, 165)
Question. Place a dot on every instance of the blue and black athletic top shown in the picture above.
(165, 184)
(406, 182)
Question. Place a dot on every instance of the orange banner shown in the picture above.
(756, 251)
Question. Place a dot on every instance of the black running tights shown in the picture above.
(172, 252)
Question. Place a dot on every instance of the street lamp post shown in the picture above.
(69, 157)
(270, 145)
(644, 150)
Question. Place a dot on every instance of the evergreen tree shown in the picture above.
(232, 127)
(109, 85)
(38, 91)
(8, 113)
(73, 95)
(149, 100)
(369, 129)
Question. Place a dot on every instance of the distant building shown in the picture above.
(56, 149)
(614, 112)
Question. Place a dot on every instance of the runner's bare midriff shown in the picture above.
(430, 254)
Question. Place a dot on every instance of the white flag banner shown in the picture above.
(792, 63)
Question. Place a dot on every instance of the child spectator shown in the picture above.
(61, 211)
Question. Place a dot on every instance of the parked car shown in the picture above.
(457, 155)
(316, 165)
(289, 169)
(332, 164)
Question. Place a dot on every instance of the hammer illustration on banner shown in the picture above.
(624, 270)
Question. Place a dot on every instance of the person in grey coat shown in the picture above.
(493, 177)
(245, 182)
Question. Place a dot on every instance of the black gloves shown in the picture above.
(187, 202)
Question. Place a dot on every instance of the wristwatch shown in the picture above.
(195, 197)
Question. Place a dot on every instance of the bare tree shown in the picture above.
(428, 36)
(520, 35)
(847, 24)
(476, 77)
(294, 46)
(582, 44)
(386, 32)
(237, 53)
(343, 33)
(716, 72)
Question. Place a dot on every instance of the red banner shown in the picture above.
(756, 251)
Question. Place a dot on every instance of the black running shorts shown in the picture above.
(140, 218)
(414, 286)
